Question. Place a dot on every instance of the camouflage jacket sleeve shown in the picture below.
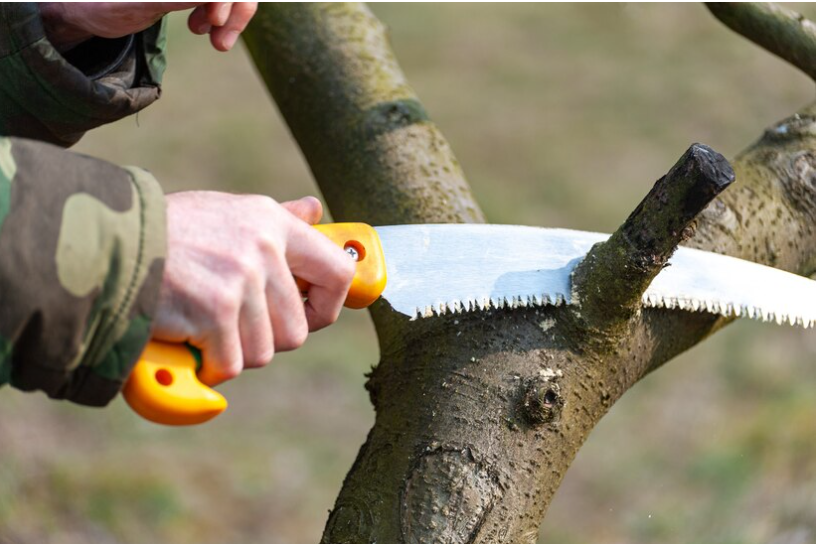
(81, 240)
(81, 245)
(52, 97)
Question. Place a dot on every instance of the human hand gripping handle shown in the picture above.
(165, 386)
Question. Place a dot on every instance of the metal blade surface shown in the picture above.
(435, 269)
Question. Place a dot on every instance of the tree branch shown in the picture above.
(479, 415)
(783, 32)
(609, 282)
(767, 216)
(367, 138)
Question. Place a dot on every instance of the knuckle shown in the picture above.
(224, 307)
(264, 204)
(244, 271)
(242, 264)
(248, 8)
(253, 276)
(230, 371)
(324, 319)
(260, 359)
(269, 246)
(301, 333)
(347, 270)
(295, 337)
(343, 271)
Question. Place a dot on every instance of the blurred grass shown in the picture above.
(562, 115)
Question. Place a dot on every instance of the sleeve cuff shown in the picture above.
(56, 98)
(81, 276)
(99, 57)
(130, 326)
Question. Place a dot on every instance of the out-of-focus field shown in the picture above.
(562, 115)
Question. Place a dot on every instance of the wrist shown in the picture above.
(62, 34)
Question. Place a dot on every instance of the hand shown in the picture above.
(228, 285)
(69, 24)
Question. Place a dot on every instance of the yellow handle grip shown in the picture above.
(363, 244)
(163, 386)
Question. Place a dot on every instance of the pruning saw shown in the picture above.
(428, 270)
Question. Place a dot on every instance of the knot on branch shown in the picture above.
(609, 282)
(393, 115)
(542, 400)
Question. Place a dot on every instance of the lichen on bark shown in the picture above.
(479, 415)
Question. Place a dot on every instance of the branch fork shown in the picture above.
(609, 282)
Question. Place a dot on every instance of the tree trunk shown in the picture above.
(480, 414)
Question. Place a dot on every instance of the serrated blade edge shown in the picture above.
(439, 269)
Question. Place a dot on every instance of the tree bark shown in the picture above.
(479, 415)
(783, 32)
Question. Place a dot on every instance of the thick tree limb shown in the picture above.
(767, 216)
(479, 415)
(609, 283)
(778, 30)
(374, 153)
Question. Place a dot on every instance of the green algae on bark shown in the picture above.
(479, 415)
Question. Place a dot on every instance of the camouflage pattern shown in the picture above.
(81, 240)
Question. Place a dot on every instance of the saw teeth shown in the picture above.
(650, 300)
(485, 303)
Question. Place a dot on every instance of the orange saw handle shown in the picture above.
(163, 386)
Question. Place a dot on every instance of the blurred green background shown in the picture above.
(562, 115)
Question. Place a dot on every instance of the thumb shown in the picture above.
(307, 209)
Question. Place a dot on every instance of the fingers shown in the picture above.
(222, 357)
(307, 209)
(224, 21)
(286, 307)
(218, 12)
(208, 16)
(228, 286)
(224, 36)
(328, 270)
(198, 22)
(255, 328)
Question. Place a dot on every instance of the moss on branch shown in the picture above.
(783, 32)
(479, 415)
(367, 138)
(609, 283)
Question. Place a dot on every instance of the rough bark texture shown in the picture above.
(609, 283)
(479, 415)
(374, 152)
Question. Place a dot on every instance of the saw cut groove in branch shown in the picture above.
(479, 415)
(783, 32)
(611, 279)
